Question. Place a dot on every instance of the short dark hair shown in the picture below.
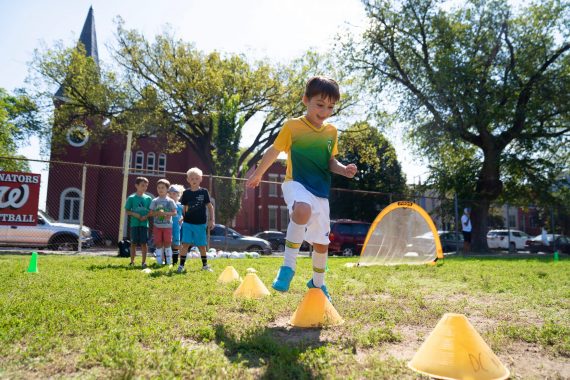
(165, 182)
(326, 87)
(140, 179)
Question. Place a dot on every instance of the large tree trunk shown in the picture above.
(489, 187)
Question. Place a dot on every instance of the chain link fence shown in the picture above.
(74, 196)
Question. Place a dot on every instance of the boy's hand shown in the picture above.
(350, 170)
(211, 224)
(253, 181)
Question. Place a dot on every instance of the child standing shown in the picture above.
(196, 200)
(311, 145)
(162, 208)
(175, 192)
(138, 207)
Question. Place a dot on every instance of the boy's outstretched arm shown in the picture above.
(268, 158)
(336, 167)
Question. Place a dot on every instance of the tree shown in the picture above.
(226, 139)
(484, 81)
(378, 171)
(190, 99)
(18, 121)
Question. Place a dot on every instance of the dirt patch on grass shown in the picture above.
(530, 361)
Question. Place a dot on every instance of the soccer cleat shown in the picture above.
(207, 268)
(283, 279)
(143, 266)
(180, 269)
(310, 285)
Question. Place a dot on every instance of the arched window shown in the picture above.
(162, 163)
(150, 162)
(139, 162)
(69, 202)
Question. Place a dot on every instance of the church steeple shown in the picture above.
(88, 38)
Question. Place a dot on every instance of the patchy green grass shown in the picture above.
(96, 317)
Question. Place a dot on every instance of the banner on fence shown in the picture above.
(19, 198)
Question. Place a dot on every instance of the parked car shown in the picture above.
(560, 242)
(450, 241)
(227, 239)
(347, 236)
(500, 239)
(277, 240)
(46, 233)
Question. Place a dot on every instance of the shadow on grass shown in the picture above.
(277, 348)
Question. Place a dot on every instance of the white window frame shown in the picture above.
(150, 162)
(63, 198)
(162, 163)
(284, 217)
(272, 213)
(139, 161)
(273, 191)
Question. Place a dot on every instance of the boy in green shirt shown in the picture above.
(138, 207)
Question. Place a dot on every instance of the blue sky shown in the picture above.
(279, 30)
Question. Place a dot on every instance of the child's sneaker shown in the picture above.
(131, 264)
(207, 268)
(283, 279)
(143, 265)
(310, 285)
(180, 269)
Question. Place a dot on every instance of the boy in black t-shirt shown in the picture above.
(195, 201)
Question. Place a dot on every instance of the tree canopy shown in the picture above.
(483, 88)
(18, 121)
(378, 172)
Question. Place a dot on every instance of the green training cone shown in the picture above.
(33, 267)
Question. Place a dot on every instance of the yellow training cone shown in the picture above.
(315, 310)
(251, 287)
(228, 275)
(455, 350)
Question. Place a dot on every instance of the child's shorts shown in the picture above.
(176, 233)
(194, 234)
(162, 236)
(318, 226)
(139, 235)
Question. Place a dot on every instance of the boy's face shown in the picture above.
(174, 195)
(141, 187)
(194, 180)
(318, 109)
(161, 189)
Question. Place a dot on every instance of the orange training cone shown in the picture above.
(315, 310)
(455, 350)
(228, 275)
(33, 267)
(251, 287)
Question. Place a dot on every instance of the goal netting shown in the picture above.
(403, 233)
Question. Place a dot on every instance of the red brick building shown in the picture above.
(262, 208)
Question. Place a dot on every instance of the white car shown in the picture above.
(46, 233)
(500, 239)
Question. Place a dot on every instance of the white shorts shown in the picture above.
(318, 226)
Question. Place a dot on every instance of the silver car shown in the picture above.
(227, 239)
(46, 233)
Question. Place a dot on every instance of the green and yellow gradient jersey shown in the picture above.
(309, 151)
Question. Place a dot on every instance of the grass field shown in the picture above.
(93, 317)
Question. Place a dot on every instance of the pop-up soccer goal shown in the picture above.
(403, 233)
